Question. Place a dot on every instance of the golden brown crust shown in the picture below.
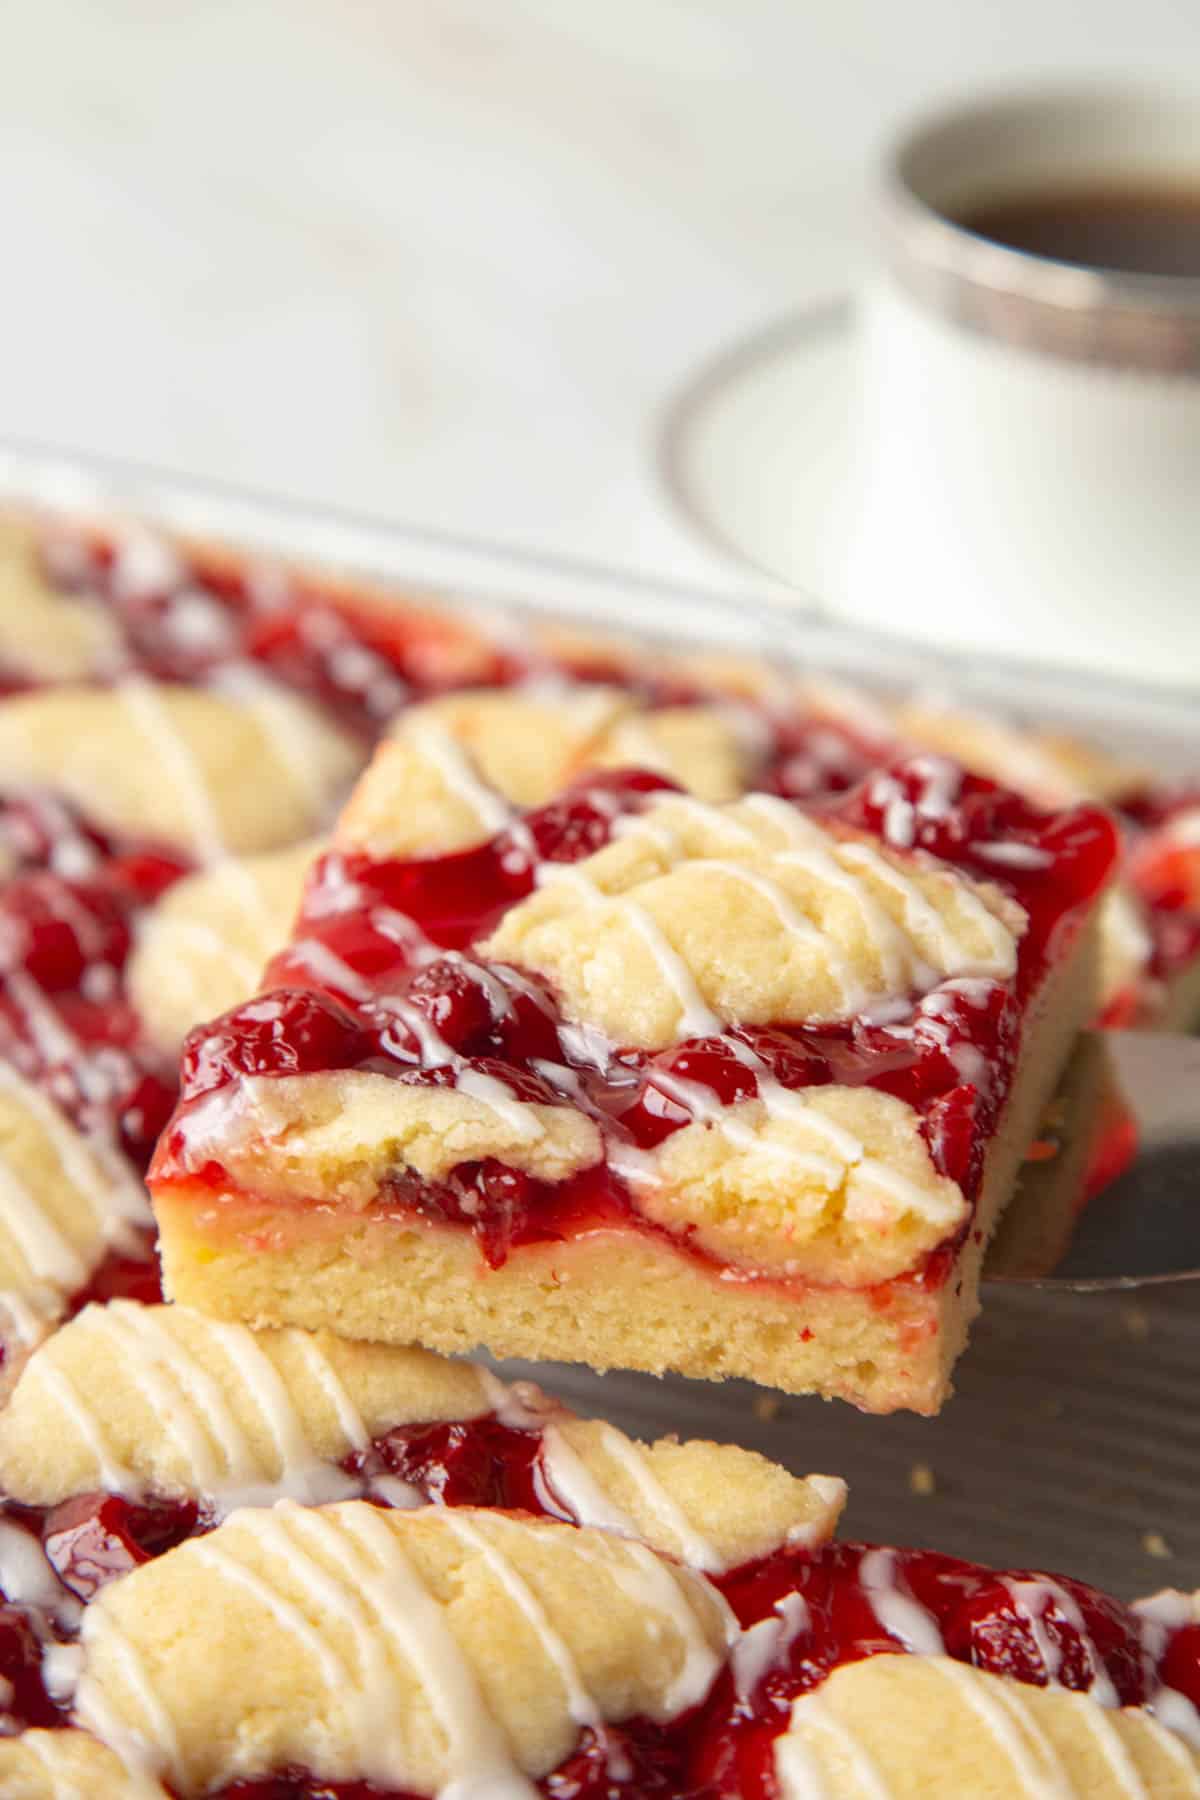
(44, 634)
(69, 1765)
(751, 913)
(340, 1135)
(166, 1400)
(835, 1185)
(453, 767)
(202, 949)
(173, 1401)
(927, 1728)
(169, 763)
(64, 1202)
(1050, 767)
(362, 1643)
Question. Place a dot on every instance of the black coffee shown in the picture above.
(1141, 229)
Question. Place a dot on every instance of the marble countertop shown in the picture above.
(449, 261)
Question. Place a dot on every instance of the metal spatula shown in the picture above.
(1144, 1225)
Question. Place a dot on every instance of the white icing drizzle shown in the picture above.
(812, 851)
(648, 825)
(438, 747)
(25, 1319)
(292, 728)
(803, 1782)
(1160, 1615)
(796, 1767)
(50, 1749)
(574, 1485)
(123, 1202)
(580, 1703)
(46, 1251)
(339, 1595)
(62, 1665)
(853, 994)
(696, 1017)
(350, 1420)
(301, 1475)
(51, 1036)
(329, 968)
(146, 565)
(158, 1744)
(1002, 1717)
(492, 983)
(149, 1354)
(900, 1615)
(697, 1551)
(26, 1575)
(476, 1749)
(397, 926)
(432, 1045)
(796, 1104)
(1098, 1722)
(521, 1405)
(194, 1410)
(825, 859)
(1173, 1730)
(1102, 1690)
(998, 962)
(651, 1583)
(765, 1645)
(144, 701)
(517, 1114)
(1013, 855)
(112, 1473)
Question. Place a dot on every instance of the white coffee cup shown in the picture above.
(1028, 432)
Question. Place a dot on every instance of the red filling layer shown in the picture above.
(821, 1600)
(1164, 872)
(370, 932)
(67, 919)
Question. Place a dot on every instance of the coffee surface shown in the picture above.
(1139, 229)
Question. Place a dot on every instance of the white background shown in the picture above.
(447, 262)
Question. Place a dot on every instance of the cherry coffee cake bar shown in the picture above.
(178, 728)
(638, 1079)
(282, 1566)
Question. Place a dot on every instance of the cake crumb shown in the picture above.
(1135, 1321)
(922, 1480)
(1155, 1544)
(766, 1407)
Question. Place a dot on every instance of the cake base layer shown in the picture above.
(618, 1298)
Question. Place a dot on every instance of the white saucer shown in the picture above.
(757, 451)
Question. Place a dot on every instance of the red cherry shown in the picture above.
(287, 1032)
(455, 1003)
(93, 1538)
(26, 1701)
(53, 929)
(479, 1463)
(1179, 1667)
(990, 1629)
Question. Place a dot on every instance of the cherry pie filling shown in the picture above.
(381, 942)
(1163, 868)
(809, 1611)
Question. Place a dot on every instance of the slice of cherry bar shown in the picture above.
(283, 1566)
(639, 1080)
